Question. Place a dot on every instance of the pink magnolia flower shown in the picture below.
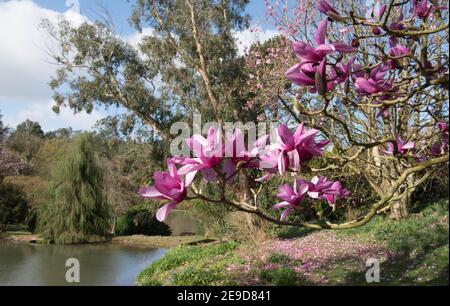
(312, 65)
(308, 54)
(398, 51)
(235, 149)
(296, 147)
(443, 126)
(208, 153)
(289, 151)
(321, 187)
(291, 197)
(347, 70)
(440, 148)
(375, 82)
(168, 186)
(422, 9)
(269, 162)
(400, 147)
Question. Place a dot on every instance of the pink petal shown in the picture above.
(343, 48)
(281, 205)
(285, 137)
(164, 211)
(286, 213)
(151, 193)
(189, 178)
(319, 39)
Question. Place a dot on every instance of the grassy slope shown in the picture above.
(412, 251)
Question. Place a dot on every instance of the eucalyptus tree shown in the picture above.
(186, 63)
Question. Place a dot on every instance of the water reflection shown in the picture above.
(182, 222)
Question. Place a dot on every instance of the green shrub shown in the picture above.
(13, 204)
(287, 232)
(278, 258)
(140, 220)
(279, 277)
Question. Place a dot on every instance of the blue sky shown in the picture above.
(25, 69)
(120, 9)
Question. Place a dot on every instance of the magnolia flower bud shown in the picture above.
(355, 43)
(321, 78)
(376, 31)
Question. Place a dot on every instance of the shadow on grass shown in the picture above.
(290, 232)
(423, 269)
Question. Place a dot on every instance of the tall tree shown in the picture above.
(188, 63)
(77, 208)
(30, 127)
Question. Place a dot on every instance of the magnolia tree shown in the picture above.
(370, 82)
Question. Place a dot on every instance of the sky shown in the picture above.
(25, 68)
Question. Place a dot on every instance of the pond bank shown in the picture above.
(141, 241)
(160, 241)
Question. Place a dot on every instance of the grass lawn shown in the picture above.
(410, 252)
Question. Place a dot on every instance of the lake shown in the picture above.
(100, 264)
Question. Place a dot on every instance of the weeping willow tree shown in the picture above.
(77, 210)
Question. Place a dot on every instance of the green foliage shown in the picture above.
(279, 277)
(287, 232)
(141, 220)
(34, 188)
(26, 144)
(30, 127)
(191, 263)
(419, 233)
(278, 258)
(77, 209)
(61, 133)
(51, 152)
(13, 204)
(117, 74)
(213, 218)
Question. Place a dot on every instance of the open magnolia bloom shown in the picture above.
(400, 147)
(168, 186)
(317, 188)
(311, 70)
(296, 147)
(321, 187)
(291, 197)
(208, 153)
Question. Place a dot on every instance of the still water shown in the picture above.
(100, 264)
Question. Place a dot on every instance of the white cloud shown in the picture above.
(25, 67)
(42, 113)
(136, 38)
(246, 38)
